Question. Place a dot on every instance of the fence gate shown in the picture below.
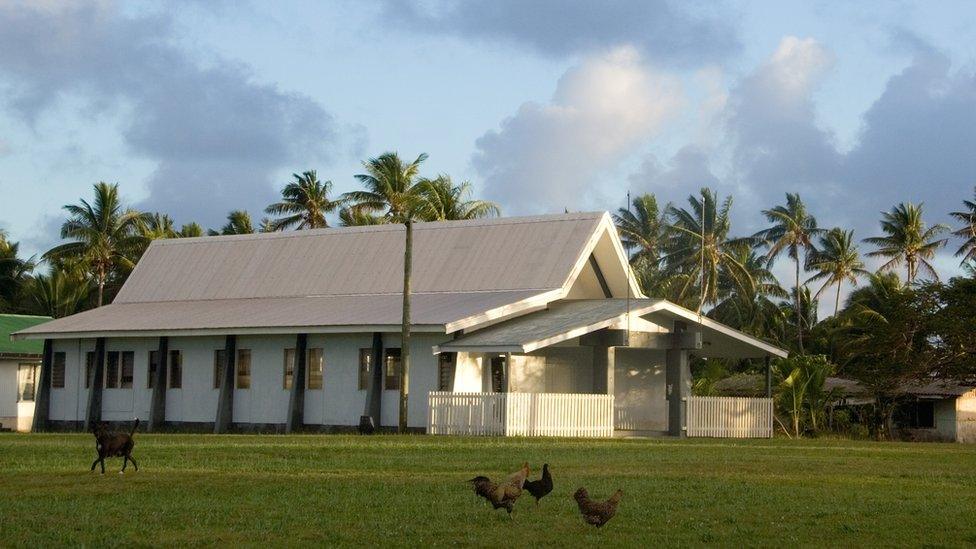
(730, 417)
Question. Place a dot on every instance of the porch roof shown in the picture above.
(568, 319)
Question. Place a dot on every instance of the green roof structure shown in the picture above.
(13, 323)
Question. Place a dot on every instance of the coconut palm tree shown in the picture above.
(445, 201)
(304, 203)
(792, 231)
(698, 249)
(190, 230)
(104, 235)
(355, 217)
(908, 241)
(156, 226)
(392, 189)
(238, 222)
(801, 308)
(749, 305)
(837, 261)
(967, 231)
(642, 231)
(56, 294)
(14, 273)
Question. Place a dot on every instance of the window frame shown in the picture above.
(365, 367)
(288, 373)
(89, 368)
(391, 353)
(59, 360)
(239, 377)
(130, 355)
(218, 370)
(21, 385)
(113, 369)
(175, 370)
(321, 369)
(446, 360)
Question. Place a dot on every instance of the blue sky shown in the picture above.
(197, 108)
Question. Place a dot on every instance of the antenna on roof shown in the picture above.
(628, 277)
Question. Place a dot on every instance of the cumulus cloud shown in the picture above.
(678, 32)
(217, 135)
(547, 156)
(686, 172)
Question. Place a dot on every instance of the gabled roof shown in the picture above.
(568, 319)
(465, 274)
(13, 323)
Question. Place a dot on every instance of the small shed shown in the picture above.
(19, 364)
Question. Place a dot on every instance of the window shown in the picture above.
(315, 367)
(365, 369)
(112, 370)
(289, 368)
(175, 370)
(26, 382)
(218, 367)
(445, 371)
(89, 368)
(391, 363)
(57, 371)
(153, 368)
(243, 369)
(119, 369)
(498, 374)
(128, 370)
(915, 415)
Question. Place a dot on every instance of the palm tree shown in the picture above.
(907, 241)
(391, 188)
(13, 272)
(104, 235)
(698, 248)
(56, 294)
(304, 203)
(836, 261)
(642, 231)
(190, 230)
(238, 222)
(355, 217)
(968, 230)
(793, 230)
(156, 226)
(802, 307)
(445, 201)
(748, 305)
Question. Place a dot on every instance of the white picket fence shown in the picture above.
(730, 417)
(520, 414)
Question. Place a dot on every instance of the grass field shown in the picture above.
(256, 490)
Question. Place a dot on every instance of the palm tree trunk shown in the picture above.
(405, 336)
(799, 314)
(837, 300)
(101, 285)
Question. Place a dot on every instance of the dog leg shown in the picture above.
(94, 463)
(102, 460)
(134, 464)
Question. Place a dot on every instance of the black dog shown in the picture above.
(112, 444)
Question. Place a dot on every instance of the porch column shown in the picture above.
(678, 379)
(769, 378)
(42, 400)
(508, 372)
(94, 413)
(604, 360)
(374, 389)
(296, 400)
(225, 402)
(157, 404)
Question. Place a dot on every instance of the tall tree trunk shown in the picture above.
(837, 300)
(799, 313)
(101, 285)
(405, 336)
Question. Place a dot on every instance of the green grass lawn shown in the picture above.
(256, 490)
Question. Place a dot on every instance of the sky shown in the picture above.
(197, 108)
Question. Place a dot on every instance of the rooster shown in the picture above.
(540, 488)
(597, 513)
(504, 494)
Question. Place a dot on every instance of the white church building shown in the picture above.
(521, 325)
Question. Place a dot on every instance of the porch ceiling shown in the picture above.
(565, 320)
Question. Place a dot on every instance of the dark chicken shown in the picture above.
(597, 513)
(540, 488)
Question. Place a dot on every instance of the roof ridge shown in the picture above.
(387, 227)
(326, 296)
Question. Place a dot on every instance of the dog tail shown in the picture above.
(134, 427)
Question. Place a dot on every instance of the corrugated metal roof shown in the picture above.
(522, 334)
(507, 254)
(162, 316)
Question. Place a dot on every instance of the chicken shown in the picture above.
(597, 513)
(501, 495)
(540, 488)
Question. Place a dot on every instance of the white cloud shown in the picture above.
(546, 157)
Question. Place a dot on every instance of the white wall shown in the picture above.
(554, 370)
(966, 417)
(468, 374)
(8, 392)
(340, 402)
(640, 390)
